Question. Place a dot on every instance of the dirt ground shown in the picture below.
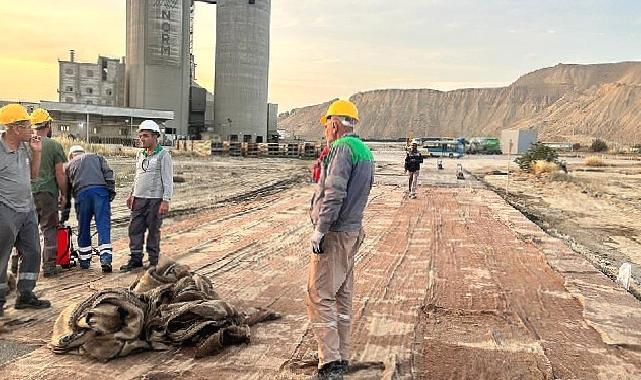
(456, 284)
(595, 210)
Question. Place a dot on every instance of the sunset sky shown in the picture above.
(321, 49)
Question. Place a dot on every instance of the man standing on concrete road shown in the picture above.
(347, 175)
(413, 162)
(18, 220)
(91, 182)
(149, 199)
(49, 191)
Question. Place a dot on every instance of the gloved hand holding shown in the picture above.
(64, 216)
(317, 242)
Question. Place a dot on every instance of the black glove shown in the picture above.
(111, 187)
(64, 215)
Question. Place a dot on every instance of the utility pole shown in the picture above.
(87, 127)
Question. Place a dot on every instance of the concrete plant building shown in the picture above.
(158, 70)
(242, 66)
(101, 83)
(272, 122)
(160, 65)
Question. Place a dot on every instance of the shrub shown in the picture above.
(594, 161)
(599, 145)
(542, 166)
(537, 152)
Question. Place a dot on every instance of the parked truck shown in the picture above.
(484, 145)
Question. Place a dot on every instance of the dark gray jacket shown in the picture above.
(89, 170)
(347, 176)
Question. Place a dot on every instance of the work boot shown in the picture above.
(30, 301)
(330, 371)
(131, 265)
(106, 268)
(51, 271)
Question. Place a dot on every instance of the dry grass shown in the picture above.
(102, 149)
(185, 153)
(111, 150)
(594, 161)
(542, 166)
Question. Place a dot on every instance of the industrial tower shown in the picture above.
(160, 64)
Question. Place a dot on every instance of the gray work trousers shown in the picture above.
(145, 218)
(47, 209)
(329, 294)
(19, 229)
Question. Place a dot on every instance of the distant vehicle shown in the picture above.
(454, 148)
(484, 145)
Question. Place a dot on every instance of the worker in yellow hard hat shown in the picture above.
(18, 220)
(49, 190)
(347, 175)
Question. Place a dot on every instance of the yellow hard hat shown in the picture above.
(341, 107)
(13, 113)
(39, 116)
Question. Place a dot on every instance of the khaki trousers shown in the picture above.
(413, 181)
(329, 294)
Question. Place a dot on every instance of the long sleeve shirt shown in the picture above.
(347, 176)
(413, 161)
(89, 170)
(154, 175)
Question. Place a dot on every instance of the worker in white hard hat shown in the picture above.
(346, 178)
(91, 182)
(149, 199)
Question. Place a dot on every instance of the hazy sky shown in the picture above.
(321, 49)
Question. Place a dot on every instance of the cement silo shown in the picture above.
(242, 65)
(158, 57)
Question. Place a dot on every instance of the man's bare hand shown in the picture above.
(130, 202)
(36, 144)
(164, 208)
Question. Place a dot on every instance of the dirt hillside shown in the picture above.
(586, 101)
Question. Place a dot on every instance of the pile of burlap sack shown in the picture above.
(167, 306)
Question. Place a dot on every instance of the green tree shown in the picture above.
(537, 152)
(599, 145)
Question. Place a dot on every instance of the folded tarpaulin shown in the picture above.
(168, 306)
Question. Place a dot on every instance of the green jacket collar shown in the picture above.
(157, 150)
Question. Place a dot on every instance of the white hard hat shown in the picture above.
(149, 125)
(76, 149)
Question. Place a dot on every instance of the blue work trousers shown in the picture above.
(94, 203)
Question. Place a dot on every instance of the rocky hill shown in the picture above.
(564, 102)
